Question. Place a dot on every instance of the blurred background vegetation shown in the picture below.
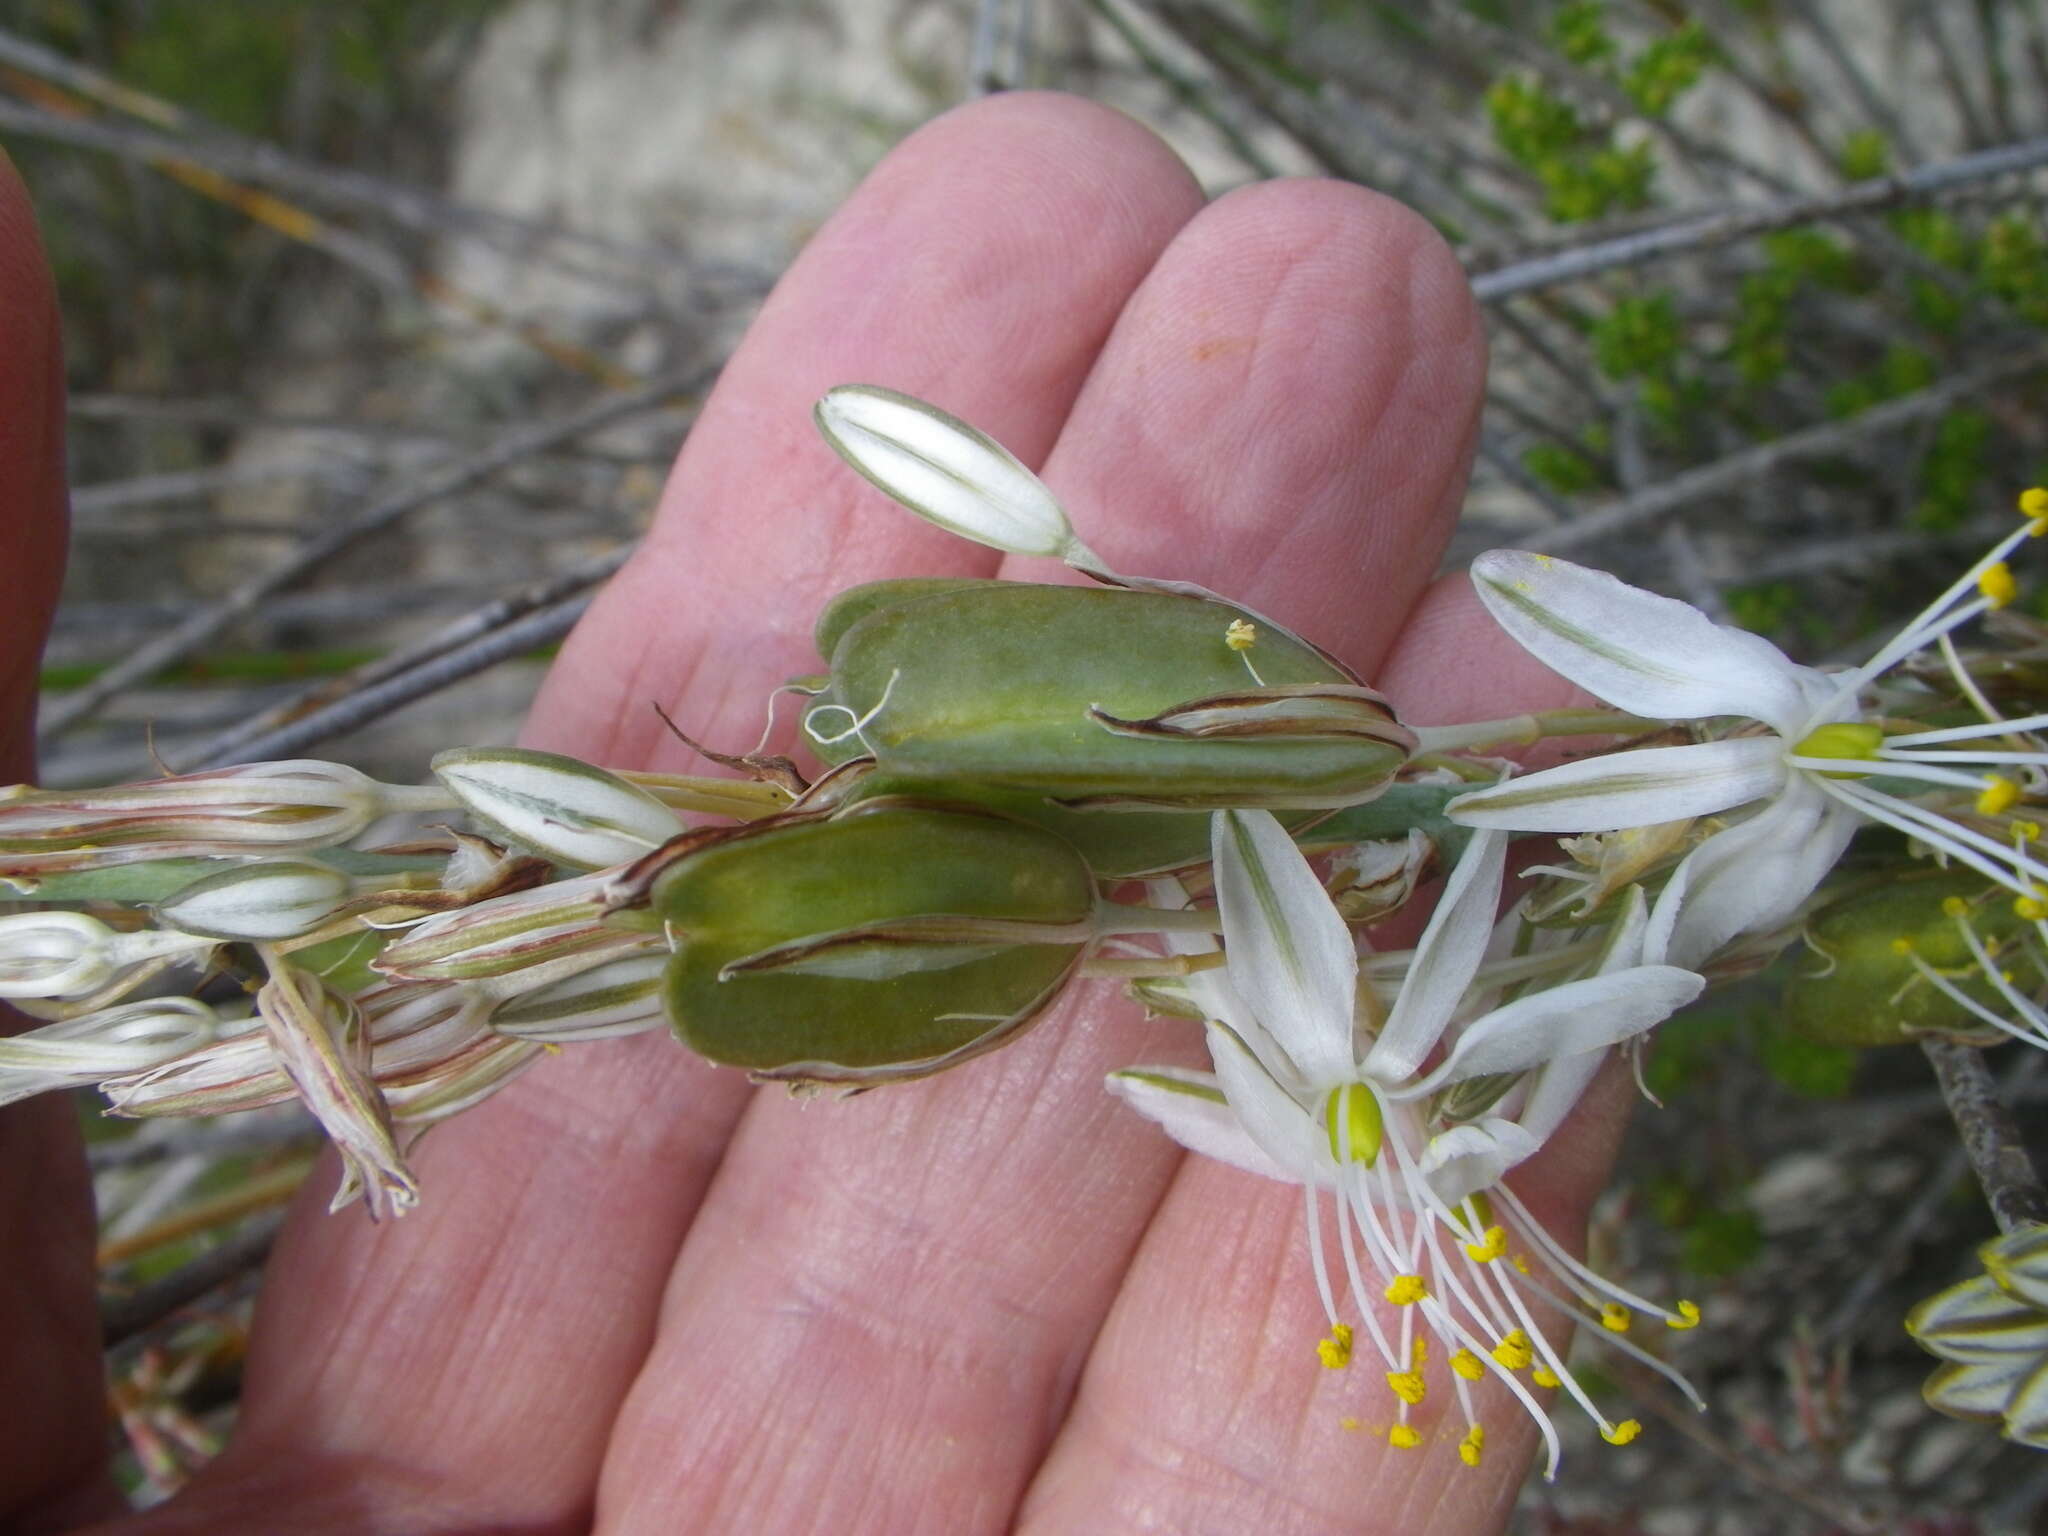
(384, 319)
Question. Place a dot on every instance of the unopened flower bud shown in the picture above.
(252, 809)
(619, 997)
(70, 955)
(235, 1072)
(540, 934)
(563, 809)
(947, 472)
(267, 900)
(93, 1047)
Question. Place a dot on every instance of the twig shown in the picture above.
(1877, 1267)
(1708, 230)
(1651, 1394)
(1785, 107)
(192, 138)
(179, 485)
(437, 482)
(1990, 1137)
(1223, 46)
(1975, 129)
(126, 1314)
(261, 1133)
(538, 629)
(1812, 443)
(259, 1193)
(1561, 73)
(1556, 513)
(1865, 548)
(352, 606)
(1874, 105)
(1185, 91)
(244, 416)
(228, 747)
(995, 23)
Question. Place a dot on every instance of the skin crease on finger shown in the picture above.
(887, 1301)
(1316, 345)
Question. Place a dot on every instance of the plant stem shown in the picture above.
(1990, 1136)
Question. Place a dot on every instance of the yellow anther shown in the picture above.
(1467, 1365)
(1406, 1290)
(1615, 1318)
(1999, 795)
(1688, 1316)
(1352, 1115)
(1493, 1245)
(1335, 1351)
(2034, 502)
(1997, 584)
(1521, 1263)
(1418, 1352)
(2025, 831)
(1242, 635)
(551, 1048)
(2033, 908)
(1514, 1351)
(1470, 1447)
(1408, 1386)
(1348, 1422)
(1544, 1376)
(1954, 906)
(1902, 945)
(1622, 1433)
(1404, 1437)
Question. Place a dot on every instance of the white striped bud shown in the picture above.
(947, 473)
(565, 810)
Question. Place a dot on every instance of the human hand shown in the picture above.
(641, 1295)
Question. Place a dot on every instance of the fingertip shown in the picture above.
(1286, 409)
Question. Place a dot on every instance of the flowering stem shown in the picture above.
(415, 797)
(1138, 968)
(1989, 1135)
(1523, 730)
(1115, 917)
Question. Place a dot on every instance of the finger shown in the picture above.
(1205, 1406)
(877, 1320)
(54, 1439)
(405, 1363)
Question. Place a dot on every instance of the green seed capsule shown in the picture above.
(1866, 982)
(889, 941)
(1061, 703)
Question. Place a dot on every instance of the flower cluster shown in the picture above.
(925, 897)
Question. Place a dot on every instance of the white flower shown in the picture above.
(1322, 1083)
(1808, 773)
